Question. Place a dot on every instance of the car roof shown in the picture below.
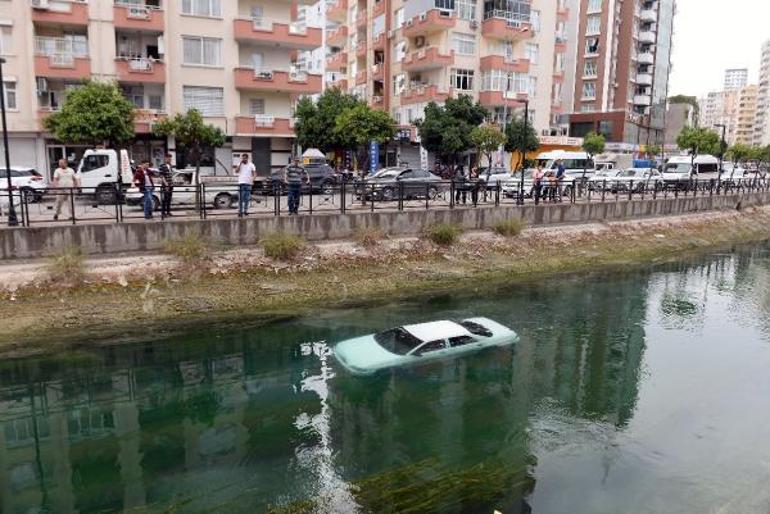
(436, 330)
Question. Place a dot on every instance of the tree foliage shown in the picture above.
(654, 150)
(192, 133)
(446, 130)
(488, 139)
(357, 126)
(521, 137)
(593, 144)
(699, 141)
(95, 113)
(741, 153)
(316, 121)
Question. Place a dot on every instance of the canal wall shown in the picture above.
(140, 236)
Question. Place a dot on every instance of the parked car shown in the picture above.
(680, 170)
(323, 180)
(636, 179)
(602, 179)
(511, 189)
(417, 344)
(221, 192)
(492, 177)
(24, 179)
(408, 182)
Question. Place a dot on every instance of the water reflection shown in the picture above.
(246, 420)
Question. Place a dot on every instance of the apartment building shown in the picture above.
(402, 54)
(745, 115)
(762, 121)
(622, 70)
(235, 61)
(679, 116)
(736, 78)
(720, 108)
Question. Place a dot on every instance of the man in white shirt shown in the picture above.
(63, 177)
(247, 174)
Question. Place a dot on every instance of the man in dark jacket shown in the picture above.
(144, 181)
(167, 186)
(294, 176)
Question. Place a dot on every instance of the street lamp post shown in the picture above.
(12, 219)
(524, 149)
(721, 154)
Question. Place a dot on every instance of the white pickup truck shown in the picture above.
(100, 171)
(221, 191)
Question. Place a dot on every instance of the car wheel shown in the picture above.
(567, 191)
(223, 201)
(105, 195)
(432, 192)
(327, 188)
(388, 194)
(155, 203)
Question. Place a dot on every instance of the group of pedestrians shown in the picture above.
(547, 185)
(145, 179)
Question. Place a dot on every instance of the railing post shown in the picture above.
(72, 204)
(342, 197)
(276, 199)
(452, 194)
(630, 190)
(400, 196)
(311, 198)
(371, 203)
(498, 190)
(117, 202)
(427, 196)
(23, 206)
(604, 189)
(204, 214)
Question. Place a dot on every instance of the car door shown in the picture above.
(431, 349)
(406, 181)
(464, 343)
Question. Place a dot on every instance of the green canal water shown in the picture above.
(643, 392)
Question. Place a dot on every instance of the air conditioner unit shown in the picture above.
(42, 85)
(445, 14)
(419, 41)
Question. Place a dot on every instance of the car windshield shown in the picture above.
(632, 173)
(397, 340)
(386, 174)
(681, 167)
(606, 173)
(476, 329)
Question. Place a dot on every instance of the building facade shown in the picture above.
(235, 61)
(679, 116)
(720, 108)
(402, 54)
(622, 70)
(745, 115)
(762, 121)
(736, 78)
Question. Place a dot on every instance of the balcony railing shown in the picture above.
(264, 121)
(513, 19)
(60, 46)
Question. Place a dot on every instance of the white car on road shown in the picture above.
(24, 179)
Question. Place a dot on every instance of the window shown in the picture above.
(94, 162)
(208, 100)
(592, 45)
(9, 90)
(399, 18)
(532, 51)
(202, 51)
(534, 19)
(210, 8)
(155, 102)
(590, 69)
(5, 40)
(462, 80)
(464, 44)
(433, 346)
(594, 24)
(256, 106)
(532, 90)
(594, 5)
(498, 80)
(398, 84)
(446, 5)
(466, 9)
(589, 90)
(461, 340)
(400, 50)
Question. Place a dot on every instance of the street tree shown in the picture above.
(521, 137)
(593, 144)
(488, 139)
(357, 126)
(445, 130)
(96, 113)
(739, 153)
(654, 150)
(316, 121)
(191, 133)
(699, 141)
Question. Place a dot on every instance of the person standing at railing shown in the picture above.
(144, 181)
(293, 176)
(247, 174)
(167, 185)
(560, 172)
(63, 177)
(537, 183)
(461, 189)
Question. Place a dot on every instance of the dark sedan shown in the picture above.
(405, 183)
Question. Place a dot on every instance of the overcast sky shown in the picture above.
(711, 36)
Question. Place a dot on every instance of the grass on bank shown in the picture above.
(443, 234)
(509, 228)
(369, 237)
(67, 266)
(191, 249)
(282, 247)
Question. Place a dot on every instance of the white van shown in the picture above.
(574, 162)
(683, 168)
(99, 170)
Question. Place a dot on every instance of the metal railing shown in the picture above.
(113, 204)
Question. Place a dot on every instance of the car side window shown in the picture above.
(407, 175)
(460, 341)
(94, 162)
(431, 347)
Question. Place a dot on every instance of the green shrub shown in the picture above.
(369, 237)
(190, 249)
(67, 266)
(282, 247)
(444, 234)
(509, 228)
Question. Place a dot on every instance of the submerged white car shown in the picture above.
(414, 344)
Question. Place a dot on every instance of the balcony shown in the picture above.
(338, 37)
(338, 11)
(361, 49)
(430, 22)
(62, 66)
(361, 18)
(60, 12)
(378, 72)
(506, 28)
(277, 81)
(263, 125)
(361, 78)
(138, 17)
(644, 79)
(141, 70)
(642, 100)
(427, 59)
(378, 43)
(496, 98)
(498, 62)
(337, 61)
(649, 15)
(645, 58)
(283, 35)
(145, 119)
(424, 94)
(647, 36)
(378, 101)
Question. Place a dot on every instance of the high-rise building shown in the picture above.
(235, 61)
(622, 70)
(745, 115)
(402, 54)
(720, 108)
(736, 78)
(679, 116)
(762, 122)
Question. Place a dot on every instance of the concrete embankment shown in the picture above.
(102, 239)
